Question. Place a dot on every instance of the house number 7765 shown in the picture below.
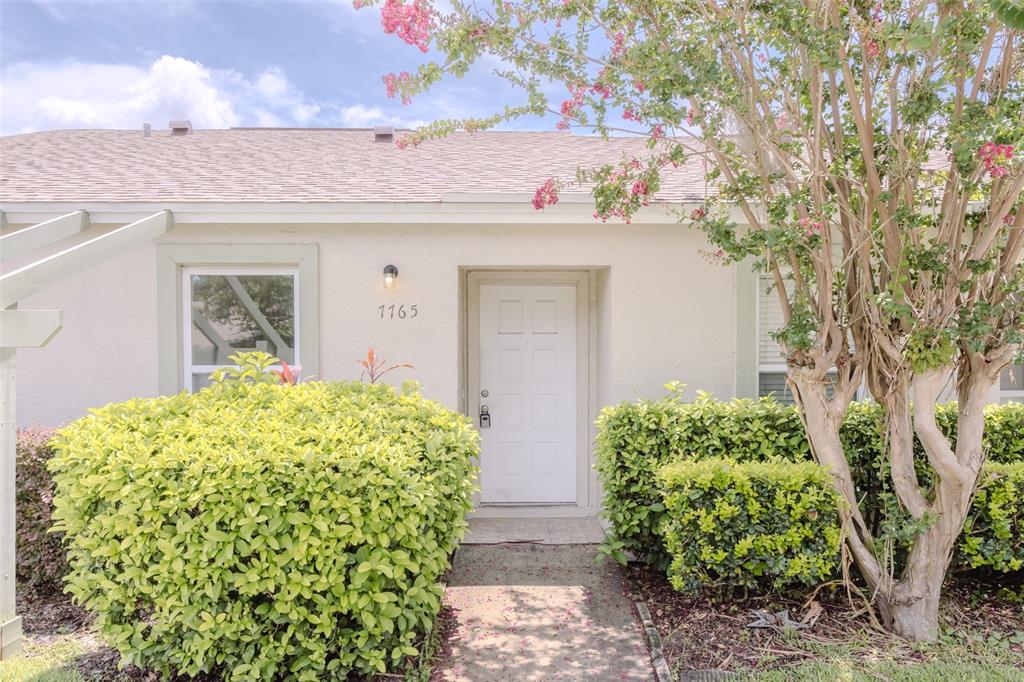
(401, 312)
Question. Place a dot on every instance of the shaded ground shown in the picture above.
(539, 612)
(60, 646)
(982, 635)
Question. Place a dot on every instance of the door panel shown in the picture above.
(528, 371)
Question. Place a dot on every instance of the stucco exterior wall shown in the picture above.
(663, 311)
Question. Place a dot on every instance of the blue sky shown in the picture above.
(97, 63)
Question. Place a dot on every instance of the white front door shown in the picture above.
(528, 391)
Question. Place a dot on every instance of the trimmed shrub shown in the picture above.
(1004, 431)
(752, 525)
(256, 531)
(634, 439)
(40, 557)
(994, 535)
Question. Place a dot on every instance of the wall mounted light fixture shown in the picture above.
(390, 275)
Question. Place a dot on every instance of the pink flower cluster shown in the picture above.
(642, 190)
(811, 227)
(394, 82)
(698, 213)
(995, 156)
(410, 22)
(546, 195)
(571, 106)
(407, 140)
(618, 47)
(630, 115)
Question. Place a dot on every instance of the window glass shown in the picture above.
(232, 311)
(1012, 378)
(1011, 384)
(774, 384)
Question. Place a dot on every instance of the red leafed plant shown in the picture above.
(287, 374)
(374, 368)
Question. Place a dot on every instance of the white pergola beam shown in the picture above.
(29, 328)
(23, 282)
(30, 238)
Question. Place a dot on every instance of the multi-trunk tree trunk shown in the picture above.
(907, 598)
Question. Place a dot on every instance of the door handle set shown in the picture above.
(485, 417)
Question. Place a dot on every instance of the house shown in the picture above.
(315, 245)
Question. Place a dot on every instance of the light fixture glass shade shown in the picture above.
(390, 275)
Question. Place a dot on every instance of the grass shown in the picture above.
(964, 656)
(45, 661)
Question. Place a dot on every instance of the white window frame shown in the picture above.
(190, 370)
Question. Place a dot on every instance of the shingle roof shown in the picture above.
(302, 165)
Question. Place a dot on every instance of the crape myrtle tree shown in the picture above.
(864, 155)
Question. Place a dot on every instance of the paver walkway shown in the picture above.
(541, 612)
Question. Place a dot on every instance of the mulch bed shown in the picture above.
(702, 632)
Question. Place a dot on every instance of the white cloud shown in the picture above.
(72, 94)
(362, 116)
(36, 96)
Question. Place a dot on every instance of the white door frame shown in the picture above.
(586, 400)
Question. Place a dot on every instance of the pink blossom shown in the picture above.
(657, 132)
(410, 22)
(408, 140)
(562, 125)
(811, 227)
(359, 4)
(873, 50)
(698, 213)
(641, 188)
(630, 115)
(640, 87)
(995, 156)
(546, 195)
(619, 46)
(394, 82)
(570, 106)
(691, 114)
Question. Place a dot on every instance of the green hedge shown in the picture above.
(40, 557)
(755, 524)
(635, 438)
(994, 535)
(264, 532)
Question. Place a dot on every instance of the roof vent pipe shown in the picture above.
(180, 127)
(383, 133)
(147, 130)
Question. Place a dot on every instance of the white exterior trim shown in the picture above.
(588, 496)
(483, 209)
(40, 274)
(27, 239)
